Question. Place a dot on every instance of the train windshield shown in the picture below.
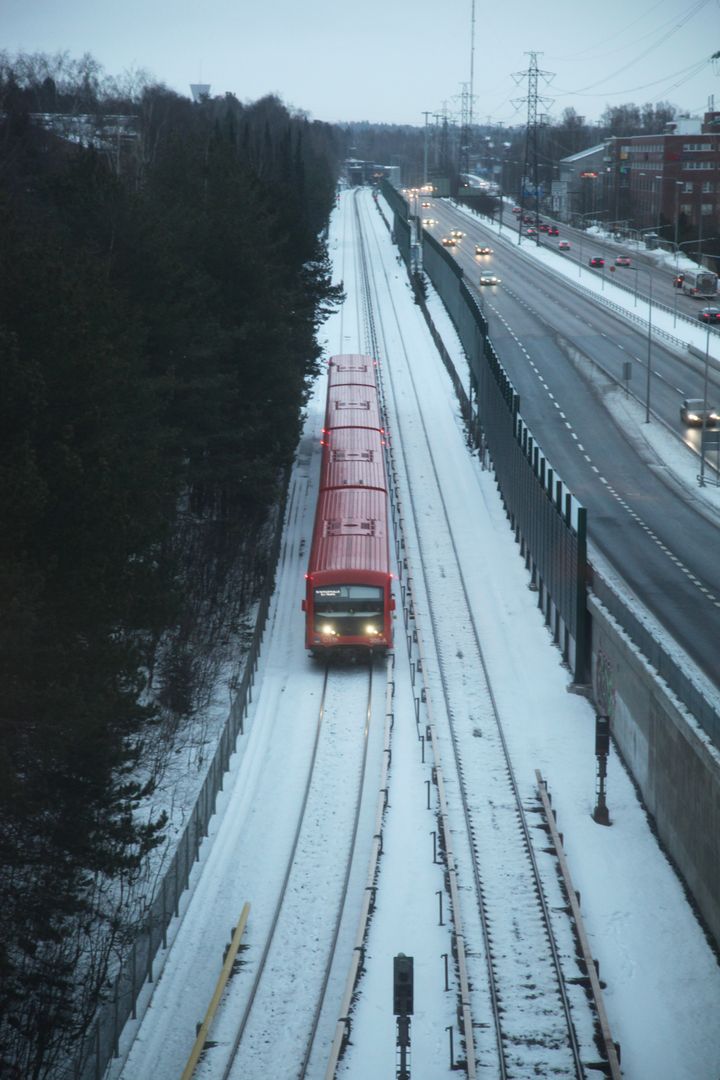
(348, 610)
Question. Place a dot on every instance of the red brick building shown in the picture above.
(668, 183)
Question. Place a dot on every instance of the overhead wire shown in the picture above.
(623, 31)
(698, 6)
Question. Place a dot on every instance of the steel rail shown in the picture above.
(527, 843)
(305, 1061)
(342, 1027)
(612, 1051)
(258, 976)
(283, 889)
(464, 1011)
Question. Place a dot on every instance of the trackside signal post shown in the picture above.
(403, 1009)
(601, 814)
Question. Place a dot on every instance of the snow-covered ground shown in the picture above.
(663, 979)
(628, 888)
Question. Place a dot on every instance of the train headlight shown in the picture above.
(328, 630)
(370, 629)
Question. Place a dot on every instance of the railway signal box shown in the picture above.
(403, 985)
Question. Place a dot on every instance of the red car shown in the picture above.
(597, 261)
(553, 230)
(622, 260)
(709, 315)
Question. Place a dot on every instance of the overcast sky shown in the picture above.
(391, 60)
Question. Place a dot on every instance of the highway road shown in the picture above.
(662, 541)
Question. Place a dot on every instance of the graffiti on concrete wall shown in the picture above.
(605, 685)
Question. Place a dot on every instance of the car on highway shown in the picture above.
(516, 210)
(709, 314)
(623, 260)
(693, 413)
(481, 249)
(678, 280)
(553, 230)
(531, 231)
(489, 279)
(449, 241)
(457, 233)
(596, 261)
(425, 205)
(428, 221)
(564, 245)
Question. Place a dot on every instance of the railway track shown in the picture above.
(279, 1013)
(524, 972)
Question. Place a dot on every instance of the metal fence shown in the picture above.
(549, 524)
(102, 1040)
(560, 591)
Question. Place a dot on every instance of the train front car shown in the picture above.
(348, 601)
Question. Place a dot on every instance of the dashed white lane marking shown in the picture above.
(628, 509)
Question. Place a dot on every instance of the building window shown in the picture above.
(686, 208)
(706, 209)
(708, 187)
(688, 187)
(697, 147)
(703, 165)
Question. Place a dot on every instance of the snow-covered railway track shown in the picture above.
(525, 975)
(278, 1017)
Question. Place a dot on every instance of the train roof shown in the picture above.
(352, 369)
(353, 457)
(353, 406)
(350, 533)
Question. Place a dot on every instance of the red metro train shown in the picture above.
(348, 603)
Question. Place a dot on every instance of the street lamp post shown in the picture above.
(701, 477)
(678, 184)
(649, 335)
(636, 271)
(659, 203)
(656, 207)
(649, 350)
(591, 213)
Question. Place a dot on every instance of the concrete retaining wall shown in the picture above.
(671, 759)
